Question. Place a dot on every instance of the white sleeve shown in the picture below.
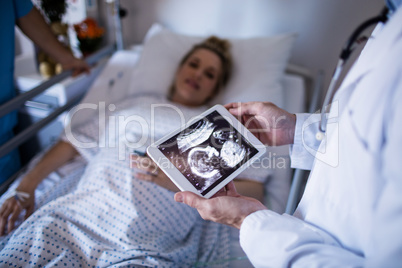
(305, 144)
(274, 240)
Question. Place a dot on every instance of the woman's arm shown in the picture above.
(58, 155)
(149, 171)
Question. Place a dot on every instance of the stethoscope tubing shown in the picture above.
(344, 56)
(328, 96)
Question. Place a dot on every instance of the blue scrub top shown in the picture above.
(10, 11)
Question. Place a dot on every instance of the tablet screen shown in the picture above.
(208, 151)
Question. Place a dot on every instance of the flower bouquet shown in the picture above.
(89, 35)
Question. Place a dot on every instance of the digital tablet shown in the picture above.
(206, 153)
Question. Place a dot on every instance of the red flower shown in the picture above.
(88, 29)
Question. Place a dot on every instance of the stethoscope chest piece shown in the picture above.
(319, 135)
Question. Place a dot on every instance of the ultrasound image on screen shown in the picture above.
(208, 151)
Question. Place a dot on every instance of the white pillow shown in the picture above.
(258, 65)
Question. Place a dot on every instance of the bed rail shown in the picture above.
(18, 101)
(297, 186)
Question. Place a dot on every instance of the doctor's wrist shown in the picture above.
(252, 208)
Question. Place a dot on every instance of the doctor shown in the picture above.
(351, 211)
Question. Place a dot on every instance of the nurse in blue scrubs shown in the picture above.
(29, 20)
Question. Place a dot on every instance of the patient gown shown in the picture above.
(111, 218)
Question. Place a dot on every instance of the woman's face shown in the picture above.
(197, 78)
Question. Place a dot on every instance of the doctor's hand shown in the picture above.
(149, 171)
(270, 124)
(12, 208)
(226, 207)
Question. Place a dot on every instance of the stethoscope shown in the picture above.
(347, 50)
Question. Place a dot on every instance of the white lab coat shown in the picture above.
(351, 212)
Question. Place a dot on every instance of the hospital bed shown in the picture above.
(258, 75)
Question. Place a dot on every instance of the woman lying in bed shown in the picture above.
(116, 214)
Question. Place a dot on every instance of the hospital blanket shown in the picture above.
(110, 218)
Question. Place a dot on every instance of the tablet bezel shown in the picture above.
(178, 178)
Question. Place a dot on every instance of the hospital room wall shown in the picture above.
(323, 26)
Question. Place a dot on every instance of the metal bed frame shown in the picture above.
(299, 176)
(20, 100)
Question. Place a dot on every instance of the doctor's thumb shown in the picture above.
(188, 198)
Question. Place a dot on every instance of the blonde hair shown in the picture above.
(220, 47)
